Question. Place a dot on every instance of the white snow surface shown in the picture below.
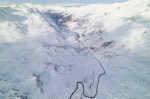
(43, 50)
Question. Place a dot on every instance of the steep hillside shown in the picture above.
(100, 51)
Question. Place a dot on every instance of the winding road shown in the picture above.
(98, 79)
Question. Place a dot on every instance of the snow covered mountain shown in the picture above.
(46, 50)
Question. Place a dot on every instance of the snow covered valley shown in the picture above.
(46, 50)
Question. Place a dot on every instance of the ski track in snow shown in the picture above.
(55, 52)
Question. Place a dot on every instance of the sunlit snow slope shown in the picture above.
(45, 50)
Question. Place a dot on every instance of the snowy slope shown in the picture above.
(45, 50)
